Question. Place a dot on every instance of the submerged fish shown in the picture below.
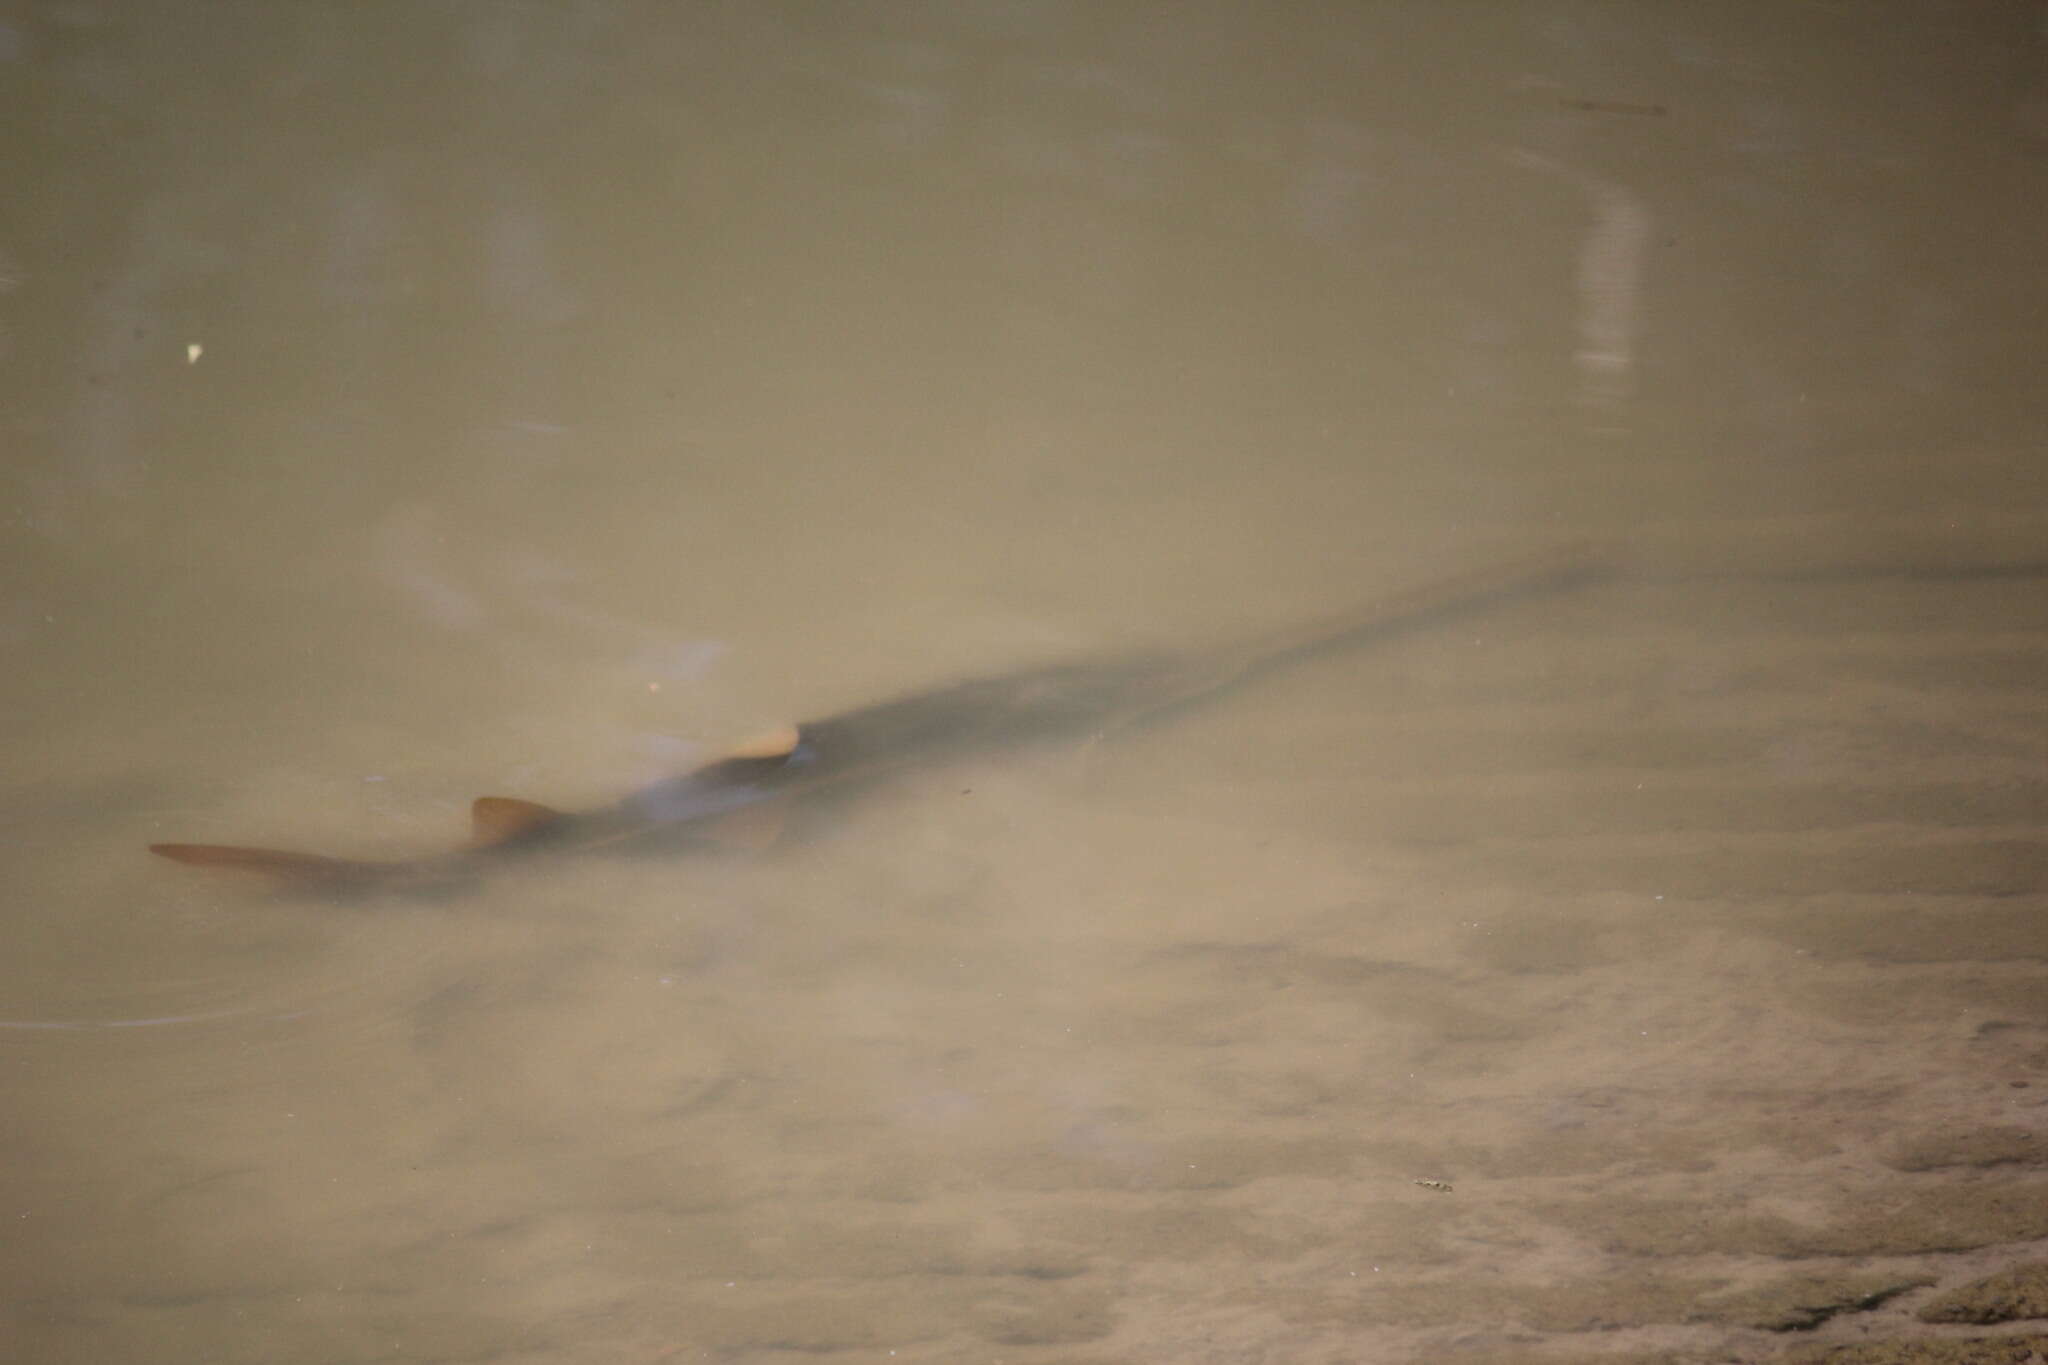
(744, 797)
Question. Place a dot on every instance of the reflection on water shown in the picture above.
(530, 400)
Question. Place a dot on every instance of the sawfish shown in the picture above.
(743, 798)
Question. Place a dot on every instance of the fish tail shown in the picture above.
(303, 869)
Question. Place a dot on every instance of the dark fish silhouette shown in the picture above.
(743, 798)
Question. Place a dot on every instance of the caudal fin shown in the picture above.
(301, 868)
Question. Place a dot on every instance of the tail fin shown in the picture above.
(304, 869)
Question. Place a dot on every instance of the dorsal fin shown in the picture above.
(777, 743)
(496, 820)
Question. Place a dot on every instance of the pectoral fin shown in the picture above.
(499, 820)
(749, 829)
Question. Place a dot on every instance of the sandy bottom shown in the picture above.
(1656, 975)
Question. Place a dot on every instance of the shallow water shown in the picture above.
(406, 405)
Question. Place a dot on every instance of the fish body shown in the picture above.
(742, 799)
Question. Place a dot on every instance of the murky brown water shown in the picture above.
(407, 403)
